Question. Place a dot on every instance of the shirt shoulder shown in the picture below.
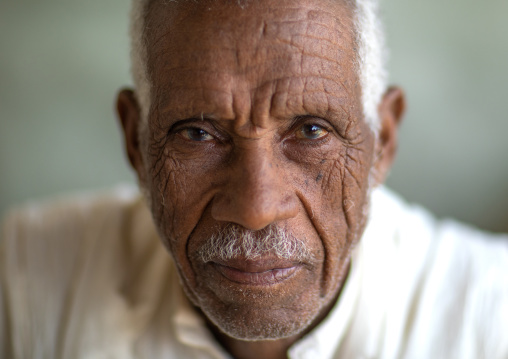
(458, 302)
(57, 237)
(72, 269)
(51, 220)
(467, 285)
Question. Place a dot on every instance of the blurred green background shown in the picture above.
(61, 63)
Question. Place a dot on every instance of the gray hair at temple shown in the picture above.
(370, 58)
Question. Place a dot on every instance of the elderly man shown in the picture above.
(260, 132)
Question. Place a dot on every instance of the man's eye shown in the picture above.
(196, 134)
(311, 132)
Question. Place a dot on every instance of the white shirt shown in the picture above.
(87, 277)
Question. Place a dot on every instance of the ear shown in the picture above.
(129, 115)
(390, 110)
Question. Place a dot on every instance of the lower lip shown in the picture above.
(268, 277)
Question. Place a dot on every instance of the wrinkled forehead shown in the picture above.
(231, 14)
(197, 26)
(212, 41)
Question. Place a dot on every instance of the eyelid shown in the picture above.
(300, 121)
(204, 124)
(182, 124)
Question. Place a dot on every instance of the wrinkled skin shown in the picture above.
(256, 119)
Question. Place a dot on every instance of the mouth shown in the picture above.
(262, 272)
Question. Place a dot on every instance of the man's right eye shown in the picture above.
(195, 134)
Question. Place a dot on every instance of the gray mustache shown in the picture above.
(234, 241)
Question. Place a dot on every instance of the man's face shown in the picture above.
(256, 120)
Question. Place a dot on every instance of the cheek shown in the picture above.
(165, 178)
(180, 192)
(328, 214)
(321, 182)
(336, 190)
(356, 186)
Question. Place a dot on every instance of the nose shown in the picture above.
(256, 193)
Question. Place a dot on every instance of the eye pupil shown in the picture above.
(312, 131)
(197, 134)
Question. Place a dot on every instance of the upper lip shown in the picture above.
(257, 265)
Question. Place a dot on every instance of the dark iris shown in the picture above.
(196, 134)
(311, 132)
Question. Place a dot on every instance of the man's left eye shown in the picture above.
(311, 132)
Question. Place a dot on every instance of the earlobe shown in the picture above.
(391, 111)
(129, 115)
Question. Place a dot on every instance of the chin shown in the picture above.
(260, 316)
(258, 326)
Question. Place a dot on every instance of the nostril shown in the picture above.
(253, 211)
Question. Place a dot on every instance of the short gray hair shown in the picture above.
(370, 57)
